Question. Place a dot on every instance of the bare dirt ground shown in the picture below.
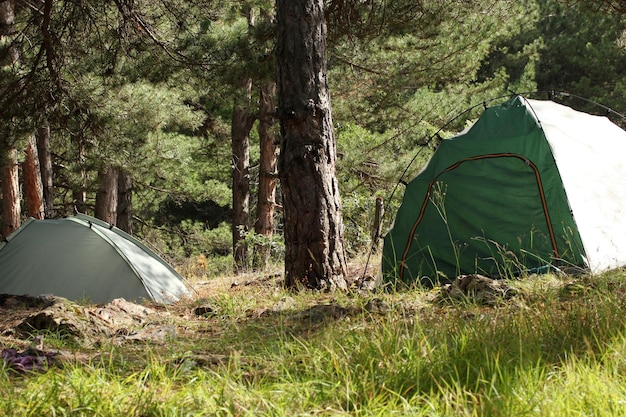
(27, 322)
(22, 318)
(37, 331)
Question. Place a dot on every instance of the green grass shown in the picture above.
(557, 349)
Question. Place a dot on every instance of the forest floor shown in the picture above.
(76, 331)
(228, 315)
(245, 345)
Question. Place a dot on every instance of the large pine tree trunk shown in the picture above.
(33, 187)
(106, 197)
(240, 130)
(125, 202)
(314, 248)
(45, 165)
(264, 224)
(11, 206)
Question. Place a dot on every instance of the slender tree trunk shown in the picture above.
(45, 165)
(125, 202)
(264, 224)
(33, 187)
(80, 200)
(241, 125)
(379, 211)
(106, 197)
(79, 194)
(7, 28)
(314, 248)
(11, 207)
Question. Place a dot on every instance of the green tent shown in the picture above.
(531, 184)
(83, 258)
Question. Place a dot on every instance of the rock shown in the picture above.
(89, 325)
(319, 313)
(367, 283)
(61, 317)
(13, 301)
(286, 303)
(376, 305)
(120, 312)
(154, 333)
(478, 288)
(205, 311)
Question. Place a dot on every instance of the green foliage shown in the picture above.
(439, 47)
(583, 53)
(569, 47)
(253, 240)
(367, 168)
(190, 238)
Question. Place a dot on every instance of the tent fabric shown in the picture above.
(531, 183)
(83, 258)
(589, 151)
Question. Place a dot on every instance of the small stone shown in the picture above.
(204, 311)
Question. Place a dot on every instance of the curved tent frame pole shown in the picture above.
(607, 109)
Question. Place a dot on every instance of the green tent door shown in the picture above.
(473, 235)
(490, 201)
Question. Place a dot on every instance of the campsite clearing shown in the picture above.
(246, 346)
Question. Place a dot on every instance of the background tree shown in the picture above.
(32, 180)
(10, 62)
(242, 122)
(398, 72)
(583, 52)
(268, 151)
(98, 108)
(45, 165)
(616, 6)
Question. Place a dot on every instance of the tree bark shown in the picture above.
(379, 211)
(125, 202)
(264, 224)
(79, 194)
(33, 187)
(314, 248)
(7, 28)
(241, 125)
(106, 197)
(45, 166)
(11, 206)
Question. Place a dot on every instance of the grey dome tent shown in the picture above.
(83, 258)
(531, 184)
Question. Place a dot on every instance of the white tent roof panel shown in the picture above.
(589, 151)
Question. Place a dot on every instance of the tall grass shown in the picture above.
(558, 349)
